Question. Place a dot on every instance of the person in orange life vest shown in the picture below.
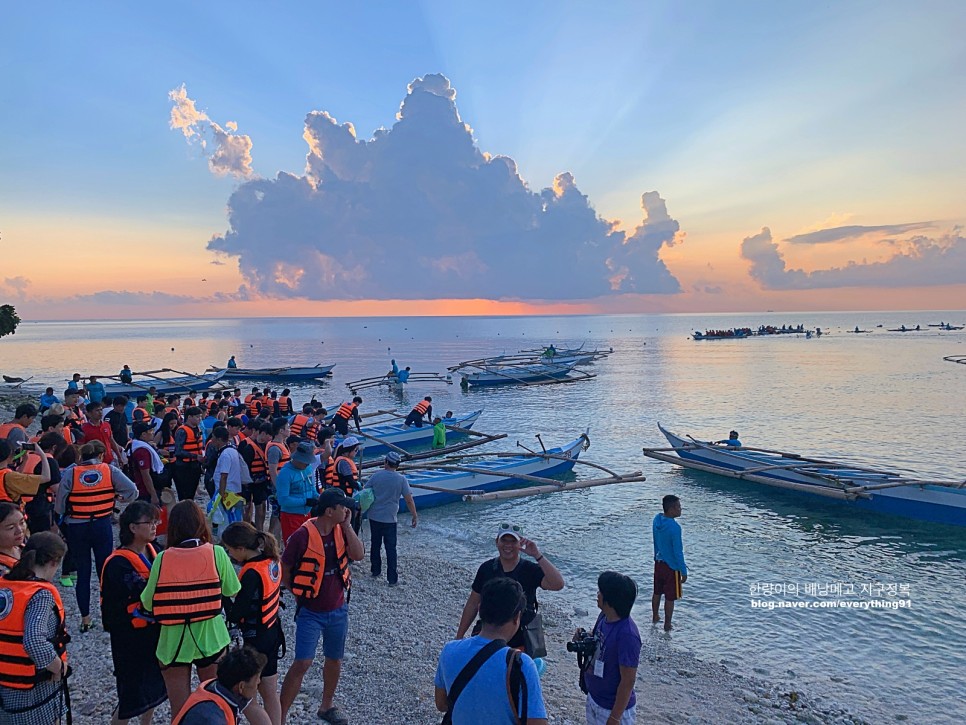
(15, 431)
(340, 420)
(254, 405)
(134, 638)
(255, 610)
(285, 406)
(343, 473)
(235, 427)
(33, 639)
(423, 407)
(277, 454)
(85, 500)
(222, 700)
(301, 420)
(98, 429)
(315, 568)
(145, 463)
(39, 509)
(252, 451)
(164, 440)
(13, 532)
(188, 455)
(184, 594)
(14, 485)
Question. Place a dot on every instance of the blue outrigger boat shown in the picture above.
(855, 485)
(410, 438)
(451, 480)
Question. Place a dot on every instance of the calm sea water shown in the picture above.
(883, 398)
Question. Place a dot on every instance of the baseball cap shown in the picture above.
(334, 497)
(506, 529)
(393, 458)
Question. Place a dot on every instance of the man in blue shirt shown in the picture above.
(48, 399)
(403, 375)
(670, 571)
(732, 440)
(95, 390)
(485, 699)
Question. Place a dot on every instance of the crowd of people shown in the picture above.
(178, 583)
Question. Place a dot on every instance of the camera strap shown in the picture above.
(467, 674)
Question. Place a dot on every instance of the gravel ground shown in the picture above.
(395, 636)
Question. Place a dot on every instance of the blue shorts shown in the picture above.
(332, 627)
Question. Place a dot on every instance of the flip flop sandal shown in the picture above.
(333, 716)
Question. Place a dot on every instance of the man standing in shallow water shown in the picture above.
(670, 571)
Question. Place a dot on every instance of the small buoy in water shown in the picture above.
(172, 349)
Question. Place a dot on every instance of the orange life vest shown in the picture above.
(213, 407)
(141, 570)
(332, 475)
(92, 492)
(17, 669)
(259, 467)
(7, 563)
(283, 452)
(307, 577)
(298, 423)
(140, 413)
(204, 693)
(192, 443)
(188, 402)
(248, 398)
(422, 406)
(4, 496)
(172, 409)
(270, 572)
(312, 430)
(188, 588)
(253, 407)
(30, 463)
(346, 410)
(284, 404)
(7, 428)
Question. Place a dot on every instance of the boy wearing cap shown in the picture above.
(315, 568)
(143, 462)
(532, 575)
(387, 486)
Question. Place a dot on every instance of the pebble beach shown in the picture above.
(396, 634)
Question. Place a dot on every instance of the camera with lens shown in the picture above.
(584, 644)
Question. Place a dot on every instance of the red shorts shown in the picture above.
(290, 523)
(667, 581)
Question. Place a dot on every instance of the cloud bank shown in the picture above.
(418, 211)
(840, 234)
(227, 151)
(922, 261)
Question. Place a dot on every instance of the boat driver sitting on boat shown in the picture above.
(732, 440)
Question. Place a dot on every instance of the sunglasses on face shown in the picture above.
(511, 527)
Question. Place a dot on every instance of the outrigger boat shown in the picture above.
(488, 476)
(143, 381)
(382, 437)
(956, 359)
(290, 374)
(395, 385)
(481, 374)
(868, 489)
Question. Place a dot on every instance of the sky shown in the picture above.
(506, 158)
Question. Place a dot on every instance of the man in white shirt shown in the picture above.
(229, 465)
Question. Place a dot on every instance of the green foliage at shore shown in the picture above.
(8, 320)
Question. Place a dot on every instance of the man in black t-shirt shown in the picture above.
(532, 575)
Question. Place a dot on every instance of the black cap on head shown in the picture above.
(332, 497)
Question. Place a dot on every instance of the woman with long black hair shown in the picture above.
(134, 637)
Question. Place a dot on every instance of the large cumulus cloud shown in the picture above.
(419, 211)
(921, 261)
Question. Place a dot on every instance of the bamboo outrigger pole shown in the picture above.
(475, 497)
